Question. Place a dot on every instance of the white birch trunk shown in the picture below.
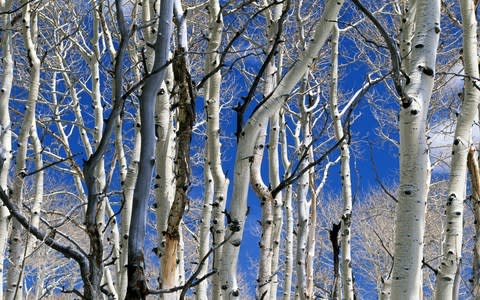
(287, 202)
(266, 203)
(164, 156)
(346, 274)
(247, 138)
(414, 159)
(407, 31)
(274, 173)
(16, 255)
(5, 130)
(453, 235)
(201, 291)
(266, 241)
(137, 285)
(303, 205)
(220, 182)
(128, 188)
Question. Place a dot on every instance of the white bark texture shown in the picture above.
(5, 130)
(407, 32)
(414, 160)
(212, 102)
(345, 233)
(287, 202)
(164, 158)
(265, 197)
(453, 235)
(264, 280)
(14, 289)
(136, 280)
(247, 139)
(274, 174)
(303, 204)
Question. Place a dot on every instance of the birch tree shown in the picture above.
(137, 286)
(213, 153)
(246, 142)
(14, 288)
(414, 160)
(6, 137)
(453, 236)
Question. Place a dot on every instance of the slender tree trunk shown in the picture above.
(345, 233)
(165, 162)
(201, 291)
(128, 176)
(474, 169)
(220, 182)
(414, 160)
(287, 203)
(333, 235)
(185, 119)
(16, 254)
(137, 285)
(5, 130)
(128, 189)
(183, 90)
(247, 138)
(266, 203)
(303, 205)
(453, 235)
(274, 174)
(265, 273)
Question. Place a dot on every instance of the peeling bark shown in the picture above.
(185, 119)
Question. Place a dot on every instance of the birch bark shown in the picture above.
(247, 139)
(137, 286)
(220, 182)
(185, 119)
(414, 160)
(474, 169)
(303, 205)
(287, 203)
(453, 235)
(5, 131)
(345, 247)
(14, 289)
(164, 157)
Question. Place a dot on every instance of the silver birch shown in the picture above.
(453, 235)
(414, 160)
(346, 262)
(247, 139)
(220, 182)
(5, 130)
(16, 256)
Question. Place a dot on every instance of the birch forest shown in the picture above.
(239, 149)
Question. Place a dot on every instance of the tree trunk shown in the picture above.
(345, 233)
(287, 202)
(474, 169)
(246, 143)
(453, 235)
(185, 119)
(414, 159)
(137, 285)
(16, 255)
(214, 162)
(5, 130)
